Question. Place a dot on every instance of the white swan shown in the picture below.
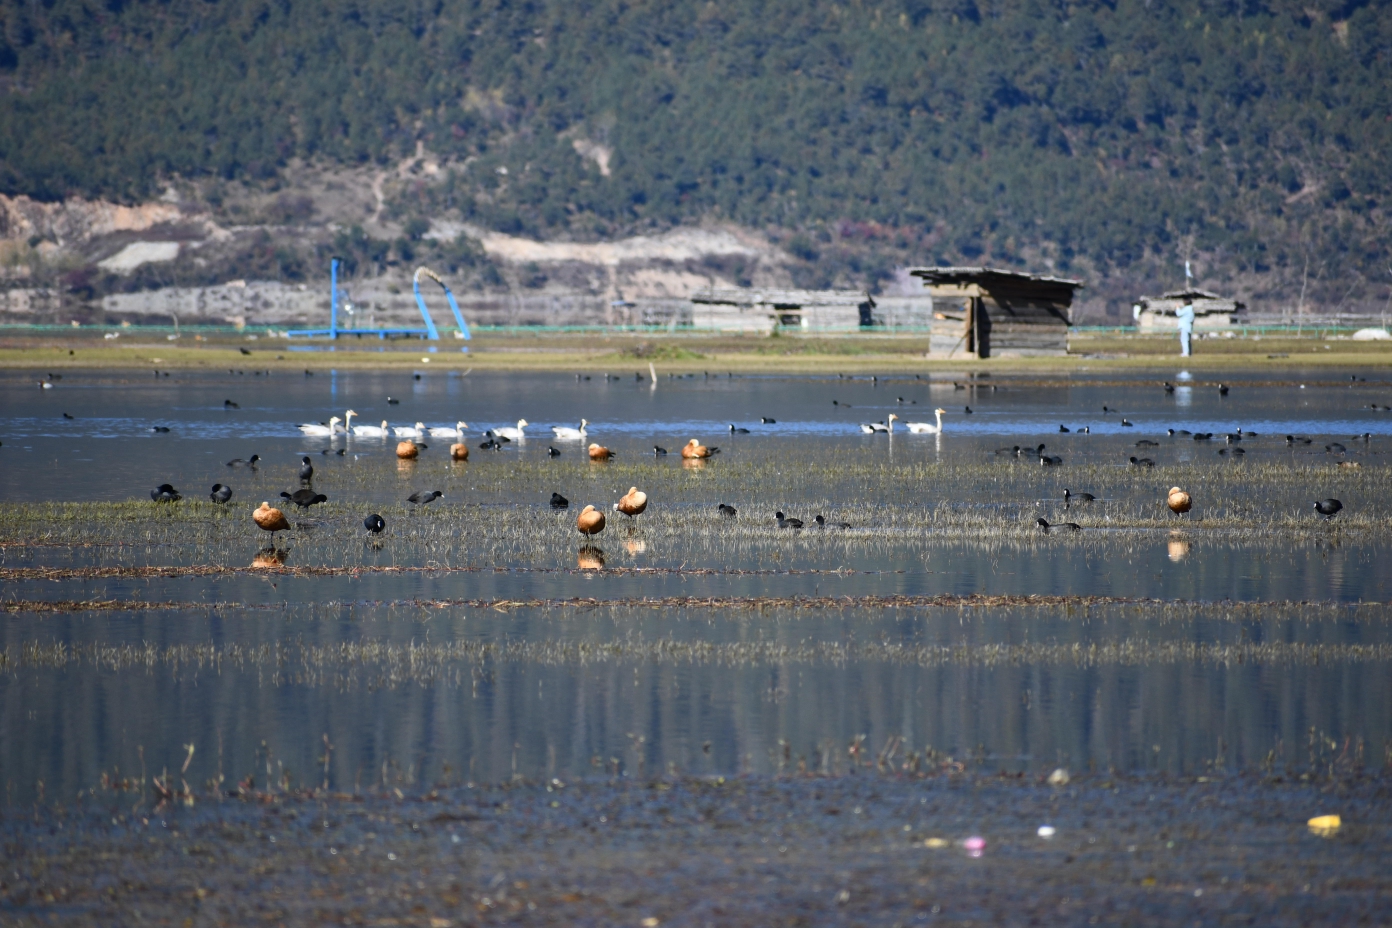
(327, 431)
(372, 431)
(406, 431)
(870, 428)
(927, 428)
(563, 431)
(460, 430)
(348, 421)
(515, 434)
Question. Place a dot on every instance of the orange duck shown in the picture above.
(632, 503)
(600, 453)
(590, 522)
(270, 519)
(407, 450)
(694, 450)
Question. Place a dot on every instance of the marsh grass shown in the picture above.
(494, 514)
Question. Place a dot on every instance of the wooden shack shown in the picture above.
(982, 312)
(763, 310)
(1211, 311)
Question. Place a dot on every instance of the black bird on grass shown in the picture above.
(559, 502)
(1335, 448)
(1007, 452)
(785, 522)
(1050, 460)
(164, 493)
(1080, 497)
(424, 497)
(1142, 462)
(1066, 526)
(1235, 452)
(658, 451)
(220, 493)
(1328, 507)
(726, 510)
(823, 523)
(249, 462)
(306, 470)
(304, 498)
(375, 524)
(1297, 440)
(1147, 443)
(244, 351)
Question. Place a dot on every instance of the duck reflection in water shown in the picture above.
(269, 558)
(590, 558)
(635, 546)
(1177, 547)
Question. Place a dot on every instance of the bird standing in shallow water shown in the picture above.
(424, 497)
(220, 493)
(1069, 495)
(164, 493)
(249, 462)
(1179, 501)
(559, 502)
(304, 498)
(375, 524)
(1328, 507)
(590, 522)
(459, 452)
(785, 522)
(632, 503)
(306, 470)
(1066, 526)
(270, 519)
(726, 510)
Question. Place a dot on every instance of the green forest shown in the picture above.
(1089, 137)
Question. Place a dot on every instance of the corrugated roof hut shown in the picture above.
(1211, 311)
(983, 312)
(754, 310)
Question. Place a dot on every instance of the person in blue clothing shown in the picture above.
(1186, 328)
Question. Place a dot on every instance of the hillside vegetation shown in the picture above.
(1103, 139)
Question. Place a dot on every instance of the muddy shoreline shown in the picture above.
(869, 848)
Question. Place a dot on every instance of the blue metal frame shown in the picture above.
(430, 332)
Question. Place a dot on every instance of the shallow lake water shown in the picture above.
(483, 637)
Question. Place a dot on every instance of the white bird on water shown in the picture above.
(870, 428)
(460, 430)
(407, 431)
(513, 434)
(564, 431)
(927, 428)
(327, 431)
(368, 431)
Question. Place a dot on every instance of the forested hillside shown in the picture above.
(1108, 139)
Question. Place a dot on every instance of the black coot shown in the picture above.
(220, 493)
(375, 524)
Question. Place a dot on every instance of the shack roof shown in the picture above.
(781, 299)
(996, 281)
(1204, 301)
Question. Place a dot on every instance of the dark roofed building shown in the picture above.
(983, 312)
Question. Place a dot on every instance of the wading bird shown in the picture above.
(306, 470)
(220, 493)
(270, 519)
(375, 524)
(424, 497)
(1328, 507)
(632, 503)
(1069, 495)
(249, 462)
(304, 498)
(590, 522)
(727, 510)
(1179, 501)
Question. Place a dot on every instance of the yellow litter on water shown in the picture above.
(1325, 825)
(935, 842)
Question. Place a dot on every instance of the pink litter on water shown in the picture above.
(975, 845)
